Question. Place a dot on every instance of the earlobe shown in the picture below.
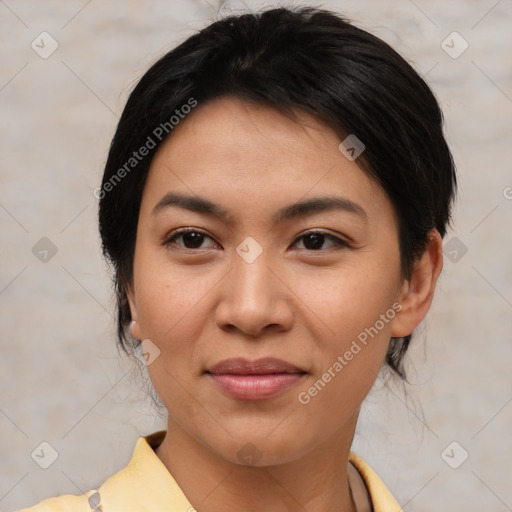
(418, 291)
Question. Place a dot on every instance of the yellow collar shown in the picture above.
(145, 484)
(382, 499)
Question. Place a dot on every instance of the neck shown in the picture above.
(316, 482)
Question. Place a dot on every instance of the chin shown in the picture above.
(263, 450)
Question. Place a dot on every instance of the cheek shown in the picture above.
(169, 310)
(344, 302)
(351, 325)
(168, 295)
(168, 302)
(348, 355)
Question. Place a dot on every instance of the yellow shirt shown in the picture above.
(145, 485)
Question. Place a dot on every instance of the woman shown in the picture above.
(273, 206)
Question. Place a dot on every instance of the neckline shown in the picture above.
(358, 488)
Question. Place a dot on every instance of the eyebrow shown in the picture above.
(298, 209)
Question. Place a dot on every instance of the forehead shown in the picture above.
(251, 154)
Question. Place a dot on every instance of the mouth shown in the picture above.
(254, 380)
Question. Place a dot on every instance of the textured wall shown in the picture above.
(62, 380)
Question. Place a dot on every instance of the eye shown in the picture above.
(191, 238)
(314, 240)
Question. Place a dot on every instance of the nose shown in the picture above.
(256, 299)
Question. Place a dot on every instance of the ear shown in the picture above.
(418, 291)
(134, 327)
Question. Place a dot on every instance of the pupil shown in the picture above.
(316, 239)
(194, 238)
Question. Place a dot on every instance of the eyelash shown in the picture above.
(341, 244)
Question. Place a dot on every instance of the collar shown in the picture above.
(382, 500)
(145, 484)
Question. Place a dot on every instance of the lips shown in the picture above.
(254, 380)
(262, 366)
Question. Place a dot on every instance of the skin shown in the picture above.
(294, 302)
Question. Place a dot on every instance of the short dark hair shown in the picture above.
(292, 59)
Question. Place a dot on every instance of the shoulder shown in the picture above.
(63, 503)
(121, 490)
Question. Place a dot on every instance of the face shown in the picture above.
(268, 322)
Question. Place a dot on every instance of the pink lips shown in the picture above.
(254, 380)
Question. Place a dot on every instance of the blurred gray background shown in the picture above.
(444, 445)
